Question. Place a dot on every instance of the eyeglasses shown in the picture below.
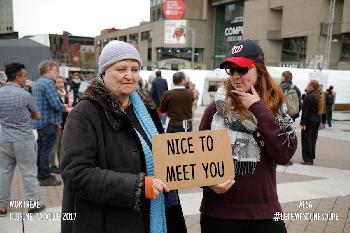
(240, 70)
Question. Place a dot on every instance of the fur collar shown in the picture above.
(111, 105)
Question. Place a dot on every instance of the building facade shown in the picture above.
(25, 51)
(6, 17)
(291, 32)
(72, 51)
(295, 32)
(6, 20)
(75, 53)
(170, 44)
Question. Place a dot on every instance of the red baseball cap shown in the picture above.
(244, 53)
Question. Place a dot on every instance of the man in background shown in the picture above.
(292, 97)
(178, 103)
(51, 108)
(159, 86)
(292, 93)
(17, 142)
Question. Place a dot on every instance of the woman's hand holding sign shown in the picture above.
(159, 187)
(222, 188)
(153, 187)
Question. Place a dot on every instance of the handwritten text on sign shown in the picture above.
(193, 159)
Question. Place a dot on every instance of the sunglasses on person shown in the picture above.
(240, 70)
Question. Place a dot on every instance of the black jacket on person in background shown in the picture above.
(103, 167)
(65, 113)
(159, 86)
(309, 115)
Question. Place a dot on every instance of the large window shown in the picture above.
(228, 29)
(181, 53)
(154, 12)
(133, 37)
(345, 48)
(294, 49)
(159, 14)
(149, 54)
(145, 35)
(122, 38)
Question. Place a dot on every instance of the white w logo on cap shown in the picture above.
(237, 49)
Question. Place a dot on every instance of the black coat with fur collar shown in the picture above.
(103, 166)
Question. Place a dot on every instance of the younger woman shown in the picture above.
(250, 106)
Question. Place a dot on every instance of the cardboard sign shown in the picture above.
(193, 159)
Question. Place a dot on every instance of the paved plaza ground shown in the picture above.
(319, 190)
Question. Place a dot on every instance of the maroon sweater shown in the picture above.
(252, 196)
(178, 104)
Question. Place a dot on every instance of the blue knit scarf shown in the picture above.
(157, 215)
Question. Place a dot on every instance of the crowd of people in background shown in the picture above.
(118, 111)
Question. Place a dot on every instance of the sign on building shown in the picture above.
(174, 9)
(175, 31)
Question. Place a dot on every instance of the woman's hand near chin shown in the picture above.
(247, 98)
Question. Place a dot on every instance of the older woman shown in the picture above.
(250, 106)
(107, 163)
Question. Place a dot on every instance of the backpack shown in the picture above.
(292, 101)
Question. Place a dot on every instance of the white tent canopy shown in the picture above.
(217, 74)
(211, 82)
(340, 79)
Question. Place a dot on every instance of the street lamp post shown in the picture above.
(329, 33)
(193, 30)
(158, 57)
(193, 47)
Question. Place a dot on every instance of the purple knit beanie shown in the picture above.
(116, 51)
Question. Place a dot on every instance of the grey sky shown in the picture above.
(79, 17)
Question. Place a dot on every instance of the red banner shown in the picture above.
(173, 9)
